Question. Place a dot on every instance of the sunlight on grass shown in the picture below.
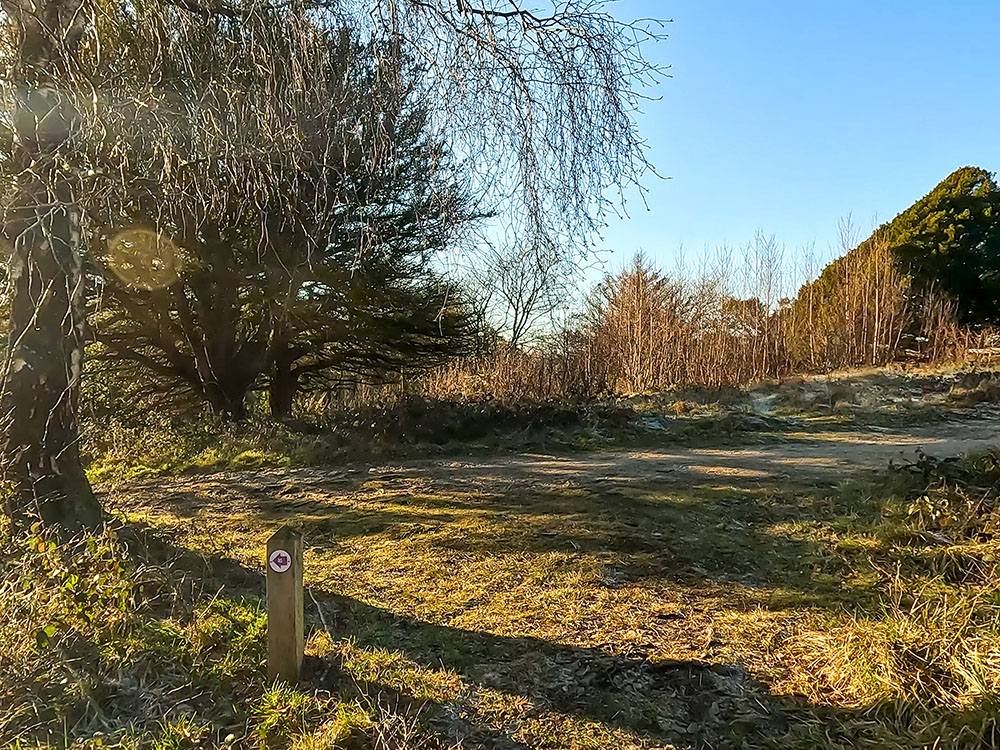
(558, 612)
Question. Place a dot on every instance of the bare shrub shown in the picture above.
(855, 313)
(728, 324)
(640, 330)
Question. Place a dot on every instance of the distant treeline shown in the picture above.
(924, 286)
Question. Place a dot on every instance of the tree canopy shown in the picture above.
(111, 102)
(949, 242)
(326, 275)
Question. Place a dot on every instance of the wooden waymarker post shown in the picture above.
(285, 618)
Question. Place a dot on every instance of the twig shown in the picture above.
(319, 609)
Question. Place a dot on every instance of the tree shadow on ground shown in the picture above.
(656, 703)
(725, 528)
(680, 702)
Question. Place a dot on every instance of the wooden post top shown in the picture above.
(285, 532)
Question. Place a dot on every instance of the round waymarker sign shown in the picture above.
(280, 561)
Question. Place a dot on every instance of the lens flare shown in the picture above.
(144, 259)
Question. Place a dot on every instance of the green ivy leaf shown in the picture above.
(44, 636)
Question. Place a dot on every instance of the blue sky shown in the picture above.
(786, 116)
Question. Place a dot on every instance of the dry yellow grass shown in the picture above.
(643, 612)
(723, 597)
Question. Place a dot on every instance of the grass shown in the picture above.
(108, 643)
(644, 615)
(490, 608)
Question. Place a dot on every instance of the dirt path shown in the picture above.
(806, 458)
(799, 459)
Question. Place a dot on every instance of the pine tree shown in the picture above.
(949, 241)
(326, 275)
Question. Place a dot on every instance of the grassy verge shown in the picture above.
(107, 643)
(928, 654)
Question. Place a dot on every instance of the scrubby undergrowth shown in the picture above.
(152, 445)
(127, 443)
(149, 445)
(924, 658)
